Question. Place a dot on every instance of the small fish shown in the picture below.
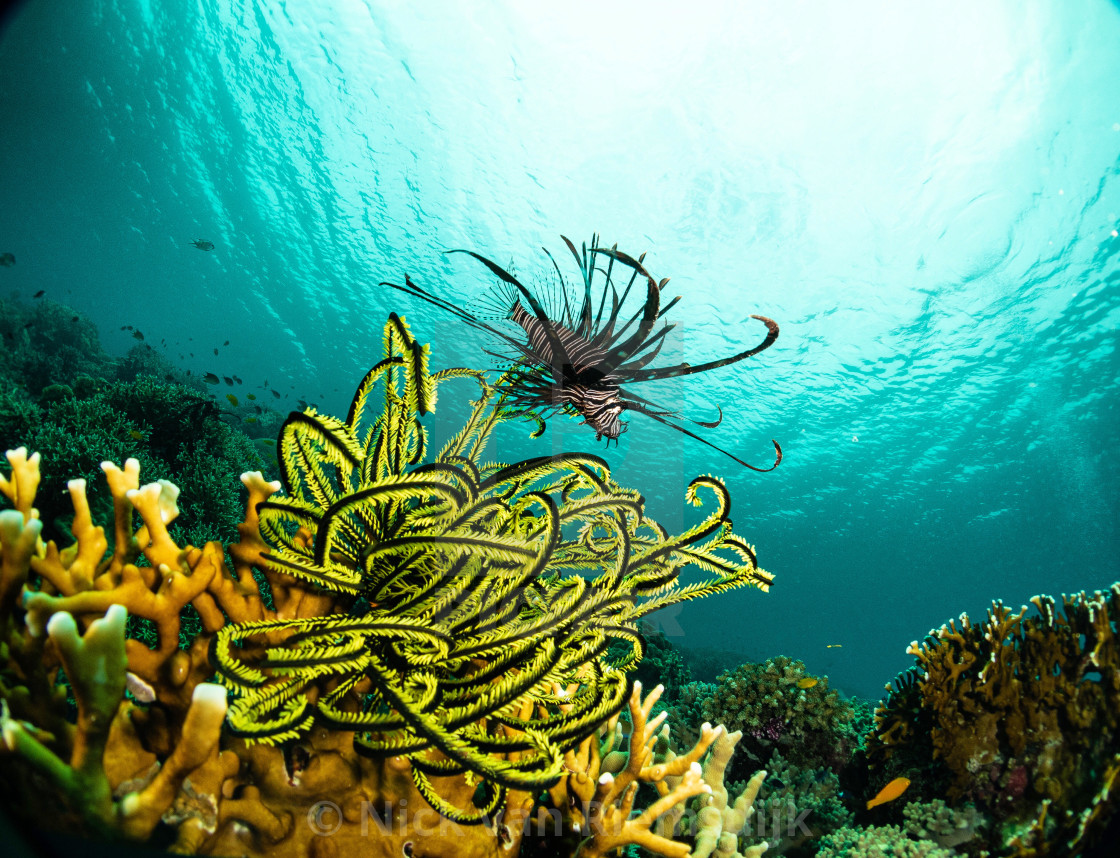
(238, 380)
(7, 259)
(250, 396)
(258, 409)
(203, 244)
(227, 380)
(250, 419)
(276, 393)
(136, 335)
(807, 682)
(890, 792)
(232, 399)
(833, 646)
(135, 436)
(215, 351)
(40, 293)
(73, 318)
(210, 378)
(226, 343)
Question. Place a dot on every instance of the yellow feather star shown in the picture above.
(477, 589)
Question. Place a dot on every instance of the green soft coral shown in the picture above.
(878, 841)
(797, 805)
(771, 705)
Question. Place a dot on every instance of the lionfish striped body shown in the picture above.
(577, 361)
(600, 404)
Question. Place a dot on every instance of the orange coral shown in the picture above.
(128, 766)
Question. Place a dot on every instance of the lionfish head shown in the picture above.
(608, 422)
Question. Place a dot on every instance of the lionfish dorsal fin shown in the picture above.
(559, 355)
(649, 314)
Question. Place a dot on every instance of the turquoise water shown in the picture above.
(926, 200)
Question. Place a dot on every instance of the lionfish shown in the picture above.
(575, 360)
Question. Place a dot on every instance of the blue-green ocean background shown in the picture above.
(925, 196)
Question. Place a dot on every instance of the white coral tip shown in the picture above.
(209, 694)
(61, 626)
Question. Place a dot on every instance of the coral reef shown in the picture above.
(778, 706)
(48, 344)
(68, 400)
(798, 805)
(1020, 712)
(393, 650)
(693, 814)
(428, 638)
(878, 841)
(948, 827)
(170, 429)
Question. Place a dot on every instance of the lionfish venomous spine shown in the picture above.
(577, 361)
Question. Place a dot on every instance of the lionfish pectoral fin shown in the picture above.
(686, 369)
(656, 341)
(410, 288)
(713, 423)
(638, 340)
(668, 306)
(634, 406)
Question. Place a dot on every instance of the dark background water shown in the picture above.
(926, 199)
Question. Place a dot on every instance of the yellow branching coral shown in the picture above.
(471, 590)
(596, 796)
